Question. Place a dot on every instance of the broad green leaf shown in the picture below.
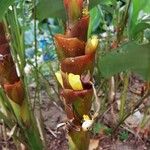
(129, 57)
(4, 5)
(136, 7)
(51, 8)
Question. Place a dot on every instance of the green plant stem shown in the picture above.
(78, 140)
(124, 97)
(123, 23)
(36, 54)
(18, 43)
(28, 128)
(37, 93)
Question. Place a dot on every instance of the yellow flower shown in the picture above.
(75, 82)
(59, 78)
(86, 117)
(91, 45)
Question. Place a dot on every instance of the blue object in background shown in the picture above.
(49, 57)
(47, 49)
(29, 37)
(29, 52)
(43, 44)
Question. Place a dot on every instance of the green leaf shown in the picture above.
(136, 7)
(129, 57)
(108, 131)
(34, 138)
(123, 135)
(4, 5)
(95, 18)
(97, 127)
(93, 3)
(51, 8)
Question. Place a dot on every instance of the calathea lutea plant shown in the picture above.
(13, 88)
(76, 54)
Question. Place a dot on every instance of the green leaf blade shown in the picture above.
(132, 57)
(55, 9)
(50, 8)
(4, 5)
(136, 7)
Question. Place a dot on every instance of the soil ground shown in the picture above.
(56, 139)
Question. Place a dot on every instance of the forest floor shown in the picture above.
(56, 139)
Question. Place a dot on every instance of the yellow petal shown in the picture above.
(59, 78)
(91, 45)
(75, 82)
(86, 117)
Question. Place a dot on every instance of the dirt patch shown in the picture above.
(52, 115)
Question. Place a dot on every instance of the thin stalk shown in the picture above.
(36, 52)
(112, 97)
(54, 76)
(51, 34)
(124, 97)
(122, 24)
(20, 42)
(112, 90)
(37, 93)
(132, 111)
(52, 70)
(4, 134)
(50, 65)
